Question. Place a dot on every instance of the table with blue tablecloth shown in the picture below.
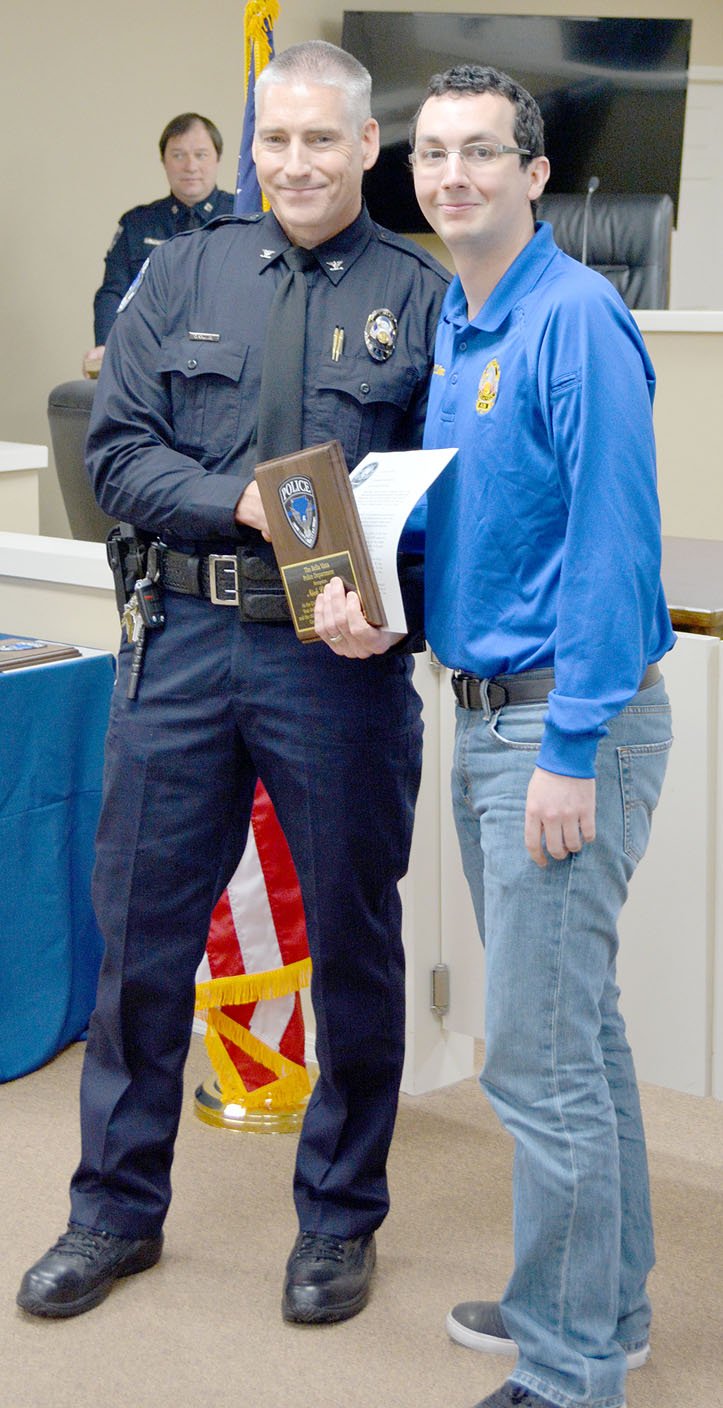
(53, 721)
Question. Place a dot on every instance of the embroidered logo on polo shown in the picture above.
(489, 383)
(380, 334)
(298, 501)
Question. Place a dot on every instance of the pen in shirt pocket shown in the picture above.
(337, 344)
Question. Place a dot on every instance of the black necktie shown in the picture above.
(189, 219)
(281, 397)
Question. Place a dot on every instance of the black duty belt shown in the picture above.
(241, 579)
(529, 687)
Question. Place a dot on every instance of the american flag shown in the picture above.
(256, 961)
(259, 19)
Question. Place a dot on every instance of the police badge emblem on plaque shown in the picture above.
(298, 501)
(380, 334)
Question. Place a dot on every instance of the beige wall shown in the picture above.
(688, 368)
(86, 89)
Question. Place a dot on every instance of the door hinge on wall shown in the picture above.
(440, 989)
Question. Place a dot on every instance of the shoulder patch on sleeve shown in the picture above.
(115, 239)
(132, 291)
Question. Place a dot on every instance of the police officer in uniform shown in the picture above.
(227, 694)
(190, 147)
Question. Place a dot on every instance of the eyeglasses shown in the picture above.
(473, 155)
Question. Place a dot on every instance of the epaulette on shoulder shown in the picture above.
(411, 247)
(252, 219)
(216, 223)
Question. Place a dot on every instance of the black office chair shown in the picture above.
(68, 414)
(628, 240)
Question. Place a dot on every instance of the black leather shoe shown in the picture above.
(79, 1271)
(327, 1278)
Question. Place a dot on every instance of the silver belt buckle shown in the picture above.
(223, 579)
(460, 685)
(463, 692)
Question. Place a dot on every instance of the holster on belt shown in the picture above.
(126, 550)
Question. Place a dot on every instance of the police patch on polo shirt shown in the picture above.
(132, 291)
(488, 387)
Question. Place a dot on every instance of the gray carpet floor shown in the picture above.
(204, 1326)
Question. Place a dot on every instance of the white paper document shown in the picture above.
(386, 488)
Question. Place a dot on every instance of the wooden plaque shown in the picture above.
(18, 652)
(316, 532)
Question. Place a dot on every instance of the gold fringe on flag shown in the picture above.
(253, 987)
(291, 1086)
(259, 17)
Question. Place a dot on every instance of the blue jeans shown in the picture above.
(558, 1068)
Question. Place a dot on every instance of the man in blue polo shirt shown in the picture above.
(543, 595)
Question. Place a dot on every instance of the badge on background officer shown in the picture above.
(190, 147)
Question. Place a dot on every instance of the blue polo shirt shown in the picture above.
(543, 534)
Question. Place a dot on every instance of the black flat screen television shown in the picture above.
(611, 91)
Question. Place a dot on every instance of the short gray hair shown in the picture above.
(318, 62)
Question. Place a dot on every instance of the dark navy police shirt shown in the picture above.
(172, 435)
(140, 231)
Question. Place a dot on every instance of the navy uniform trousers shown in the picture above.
(337, 744)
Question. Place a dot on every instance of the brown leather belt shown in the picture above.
(529, 687)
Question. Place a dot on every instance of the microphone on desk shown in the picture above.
(592, 186)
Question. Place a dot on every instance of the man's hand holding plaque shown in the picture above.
(316, 532)
(327, 525)
(341, 624)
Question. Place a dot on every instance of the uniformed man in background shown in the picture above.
(228, 693)
(190, 147)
